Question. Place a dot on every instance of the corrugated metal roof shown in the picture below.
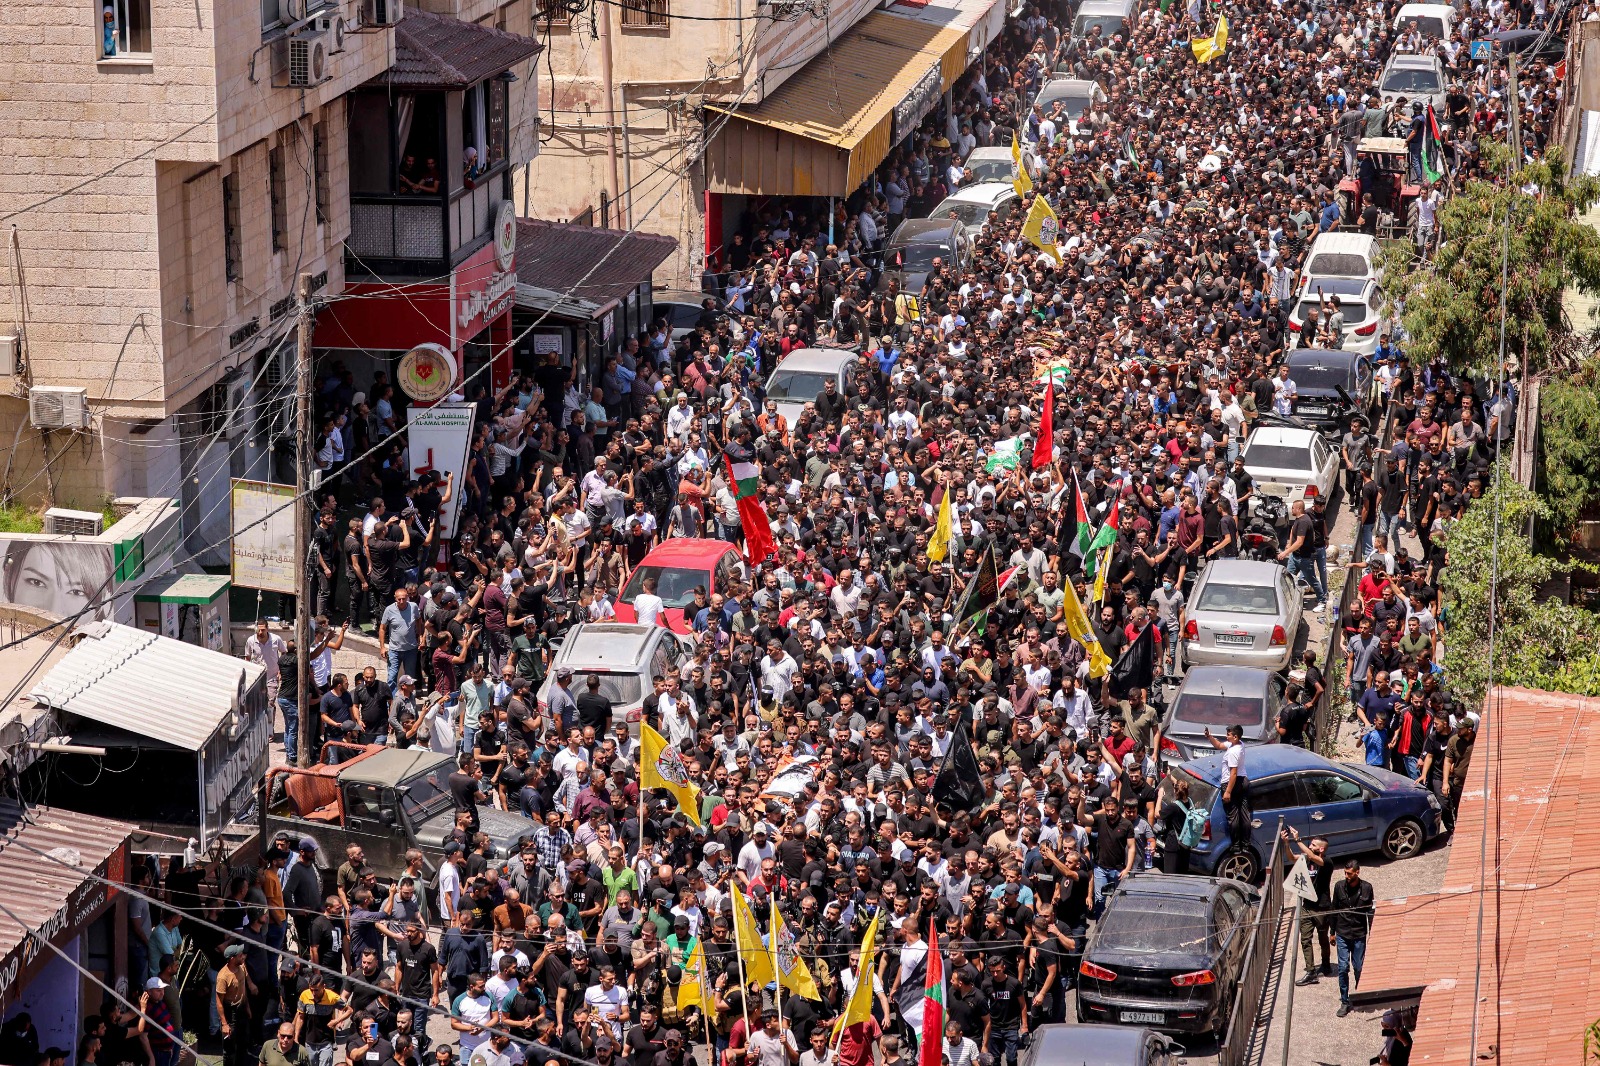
(843, 94)
(36, 889)
(600, 266)
(439, 52)
(146, 684)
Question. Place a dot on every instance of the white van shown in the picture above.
(1436, 22)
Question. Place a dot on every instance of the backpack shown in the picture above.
(1194, 824)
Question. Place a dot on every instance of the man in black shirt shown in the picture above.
(968, 1006)
(593, 708)
(1008, 1021)
(1352, 903)
(1113, 849)
(353, 557)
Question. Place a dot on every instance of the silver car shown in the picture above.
(1216, 697)
(1416, 79)
(624, 656)
(1243, 613)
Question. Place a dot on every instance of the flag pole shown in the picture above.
(711, 1045)
(777, 972)
(744, 985)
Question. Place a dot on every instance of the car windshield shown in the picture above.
(1427, 25)
(425, 797)
(1411, 80)
(1074, 105)
(1319, 376)
(1355, 313)
(1202, 794)
(965, 212)
(1338, 264)
(919, 256)
(1110, 26)
(992, 169)
(618, 688)
(1204, 709)
(674, 584)
(1279, 456)
(797, 385)
(1155, 924)
(1237, 599)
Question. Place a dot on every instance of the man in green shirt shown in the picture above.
(283, 1049)
(528, 652)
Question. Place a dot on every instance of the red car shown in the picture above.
(680, 566)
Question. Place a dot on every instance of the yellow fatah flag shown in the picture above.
(1078, 626)
(662, 767)
(1020, 181)
(694, 990)
(1042, 227)
(1100, 576)
(939, 540)
(793, 973)
(859, 1009)
(757, 961)
(1209, 48)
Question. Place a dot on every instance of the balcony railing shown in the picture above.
(422, 234)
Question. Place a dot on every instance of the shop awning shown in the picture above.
(587, 270)
(825, 129)
(148, 685)
(52, 900)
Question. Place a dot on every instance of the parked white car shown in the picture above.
(971, 205)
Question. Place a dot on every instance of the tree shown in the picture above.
(1452, 304)
(1537, 643)
(1569, 446)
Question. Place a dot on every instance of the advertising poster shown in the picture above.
(441, 437)
(263, 547)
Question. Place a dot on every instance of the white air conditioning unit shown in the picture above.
(74, 523)
(10, 355)
(382, 12)
(336, 27)
(236, 414)
(58, 407)
(308, 58)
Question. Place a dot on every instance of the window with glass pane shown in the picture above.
(271, 14)
(645, 12)
(125, 28)
(499, 91)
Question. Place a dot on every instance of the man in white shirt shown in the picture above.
(264, 648)
(777, 670)
(647, 606)
(748, 866)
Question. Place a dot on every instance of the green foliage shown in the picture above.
(1539, 644)
(15, 518)
(1452, 305)
(1569, 452)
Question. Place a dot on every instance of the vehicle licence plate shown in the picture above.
(1148, 1017)
(1307, 409)
(1238, 640)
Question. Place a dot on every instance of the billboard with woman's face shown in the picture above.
(57, 577)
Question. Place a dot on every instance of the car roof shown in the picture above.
(1074, 1044)
(991, 151)
(606, 644)
(1176, 886)
(1263, 761)
(1069, 86)
(924, 230)
(983, 192)
(1242, 571)
(684, 296)
(1444, 11)
(1328, 357)
(688, 551)
(393, 765)
(822, 359)
(1289, 435)
(1411, 59)
(1102, 7)
(1226, 681)
(1355, 243)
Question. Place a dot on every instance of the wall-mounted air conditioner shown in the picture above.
(58, 407)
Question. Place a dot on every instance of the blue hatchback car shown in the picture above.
(1358, 808)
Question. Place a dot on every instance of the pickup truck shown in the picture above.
(388, 800)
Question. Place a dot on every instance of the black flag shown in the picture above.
(957, 783)
(1136, 666)
(982, 592)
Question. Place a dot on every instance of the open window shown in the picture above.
(124, 29)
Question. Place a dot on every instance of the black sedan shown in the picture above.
(1332, 386)
(1168, 954)
(1100, 1045)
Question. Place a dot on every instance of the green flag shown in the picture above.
(1103, 539)
(1007, 455)
(1432, 149)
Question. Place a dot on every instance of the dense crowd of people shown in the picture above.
(1188, 195)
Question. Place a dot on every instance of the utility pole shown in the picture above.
(302, 518)
(1514, 104)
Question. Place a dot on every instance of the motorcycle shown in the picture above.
(1259, 540)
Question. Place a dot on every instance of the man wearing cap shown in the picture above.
(757, 848)
(233, 991)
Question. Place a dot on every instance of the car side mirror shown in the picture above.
(386, 817)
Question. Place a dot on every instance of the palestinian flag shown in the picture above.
(1432, 149)
(1105, 538)
(930, 1045)
(745, 478)
(1083, 536)
(1044, 446)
